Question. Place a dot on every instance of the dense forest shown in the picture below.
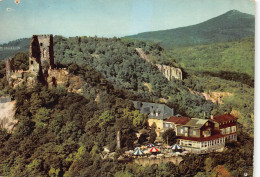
(119, 63)
(63, 134)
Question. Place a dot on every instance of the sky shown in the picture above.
(107, 18)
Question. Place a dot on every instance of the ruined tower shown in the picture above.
(41, 55)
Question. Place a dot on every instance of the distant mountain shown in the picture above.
(12, 47)
(230, 26)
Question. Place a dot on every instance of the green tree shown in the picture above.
(152, 136)
(169, 136)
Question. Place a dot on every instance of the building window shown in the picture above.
(31, 62)
(233, 129)
(194, 132)
(181, 130)
(227, 130)
(41, 44)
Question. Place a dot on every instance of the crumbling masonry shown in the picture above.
(41, 60)
(41, 68)
(41, 55)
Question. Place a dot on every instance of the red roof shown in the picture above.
(178, 120)
(224, 118)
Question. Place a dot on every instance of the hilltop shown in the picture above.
(12, 47)
(229, 26)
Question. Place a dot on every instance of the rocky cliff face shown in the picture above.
(61, 77)
(7, 112)
(215, 97)
(169, 72)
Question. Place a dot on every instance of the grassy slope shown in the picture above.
(236, 56)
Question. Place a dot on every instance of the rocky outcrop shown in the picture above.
(7, 112)
(215, 97)
(169, 72)
(61, 77)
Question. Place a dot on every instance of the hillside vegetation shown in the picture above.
(119, 63)
(230, 26)
(229, 60)
(63, 134)
(23, 45)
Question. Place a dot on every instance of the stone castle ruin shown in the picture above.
(41, 55)
(41, 60)
(41, 68)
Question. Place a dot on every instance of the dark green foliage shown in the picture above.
(229, 60)
(56, 128)
(21, 61)
(63, 134)
(143, 138)
(3, 82)
(169, 136)
(230, 26)
(152, 136)
(119, 63)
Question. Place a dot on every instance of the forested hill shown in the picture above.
(61, 133)
(12, 47)
(119, 63)
(230, 26)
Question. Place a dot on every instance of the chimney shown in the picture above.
(211, 117)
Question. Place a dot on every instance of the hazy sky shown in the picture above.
(107, 18)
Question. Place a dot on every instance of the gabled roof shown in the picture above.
(178, 120)
(196, 122)
(154, 110)
(224, 118)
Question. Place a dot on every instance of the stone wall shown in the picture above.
(46, 50)
(41, 55)
(169, 72)
(147, 161)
